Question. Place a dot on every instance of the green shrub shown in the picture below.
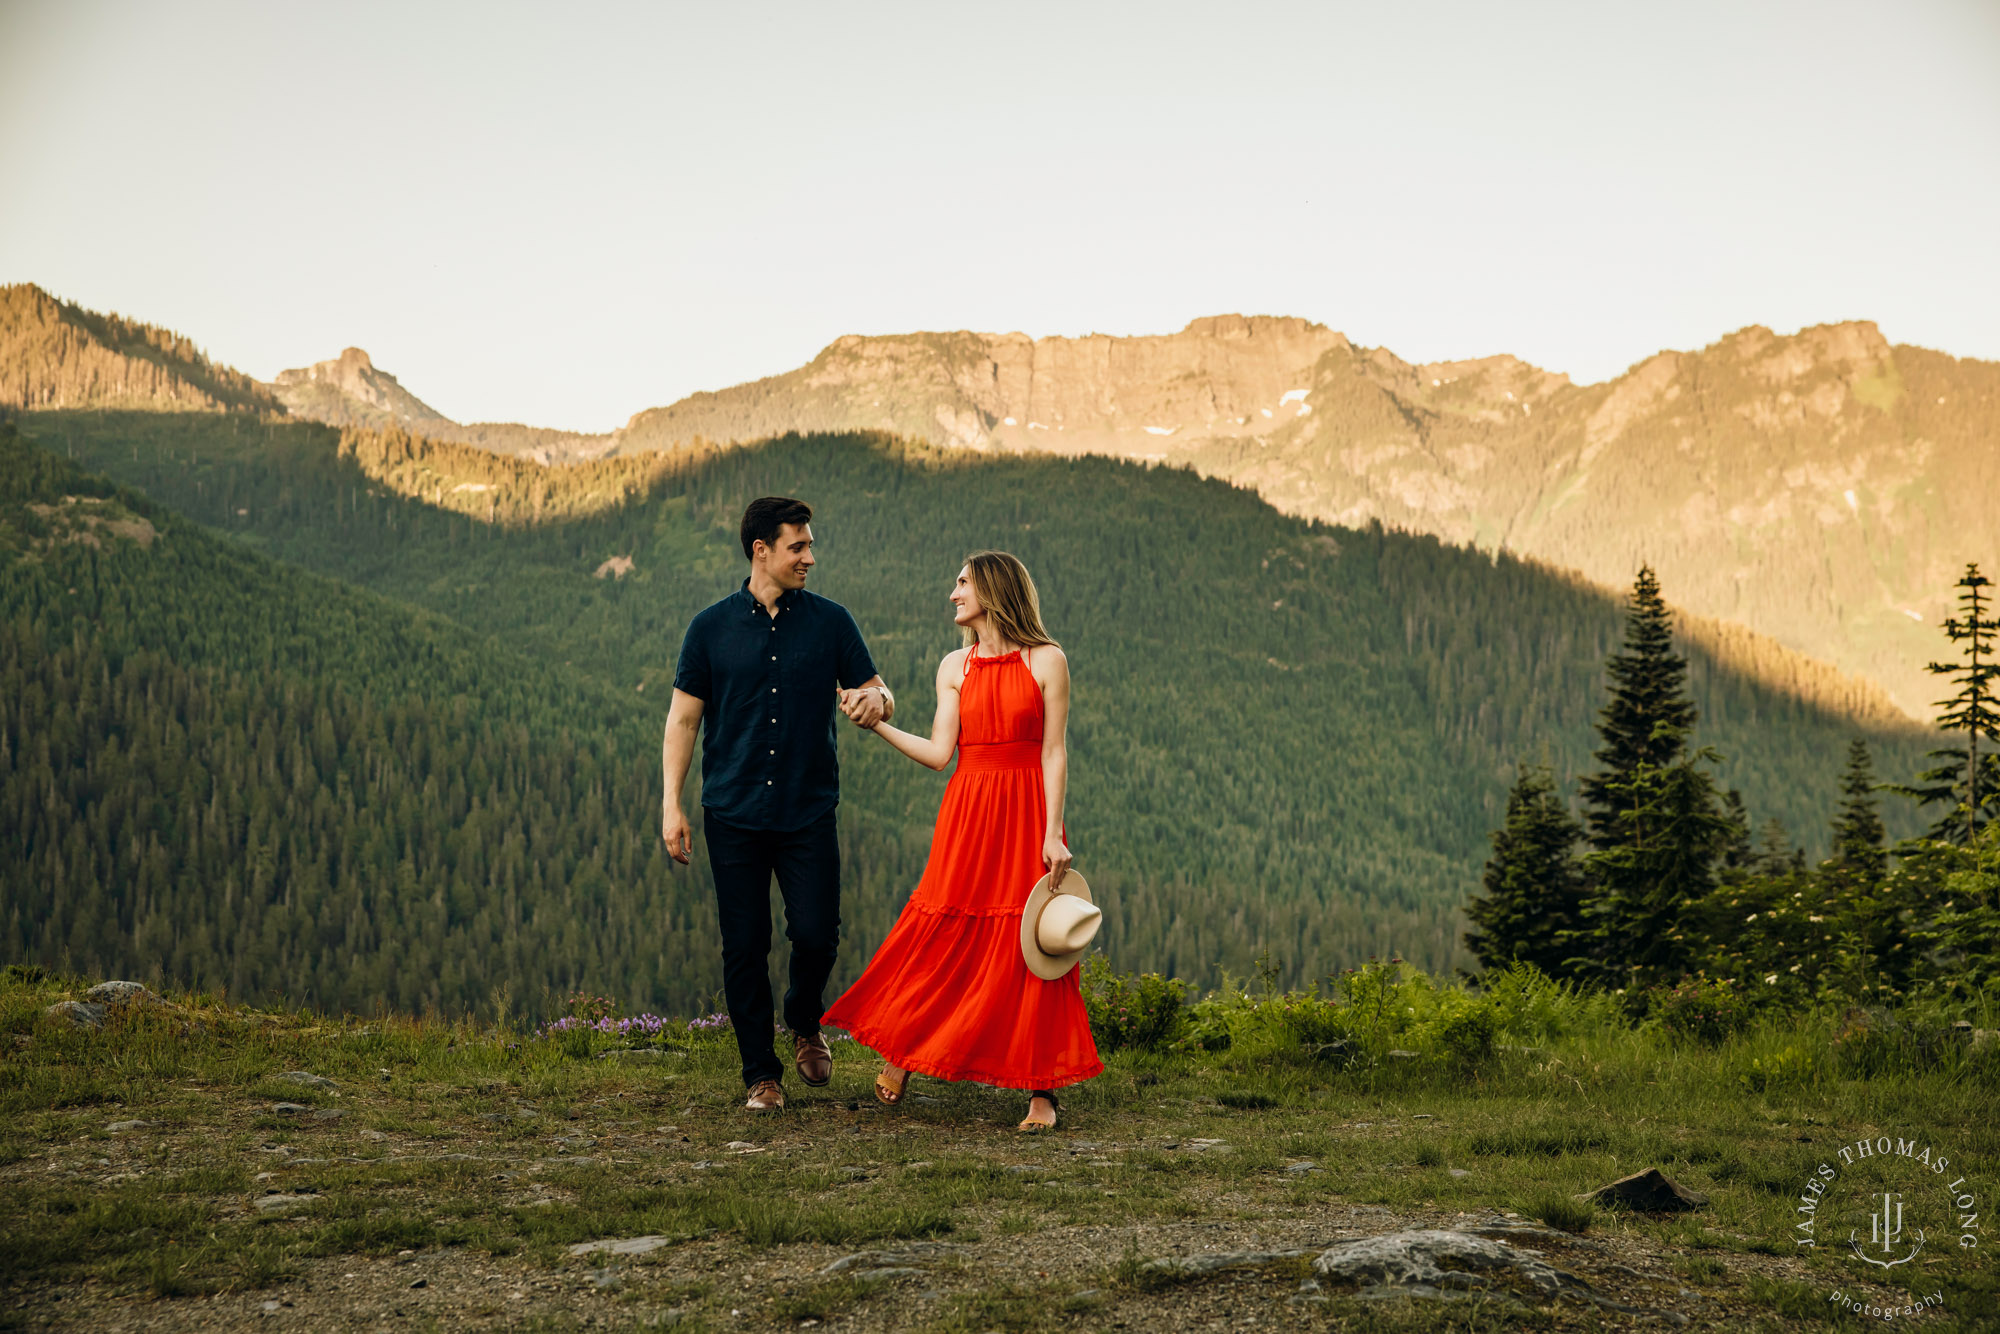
(1465, 1033)
(1700, 1009)
(1530, 1004)
(1128, 1013)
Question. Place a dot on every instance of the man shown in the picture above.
(763, 670)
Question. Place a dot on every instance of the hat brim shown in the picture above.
(1041, 963)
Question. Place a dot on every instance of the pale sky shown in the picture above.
(565, 214)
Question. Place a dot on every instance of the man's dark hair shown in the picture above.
(766, 515)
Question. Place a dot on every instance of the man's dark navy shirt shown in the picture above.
(767, 688)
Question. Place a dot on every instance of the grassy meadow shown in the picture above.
(164, 1172)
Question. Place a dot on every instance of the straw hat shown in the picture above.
(1057, 925)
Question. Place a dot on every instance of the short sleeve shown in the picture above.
(692, 674)
(854, 663)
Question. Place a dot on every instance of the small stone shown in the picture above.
(272, 1306)
(1423, 1116)
(306, 1078)
(420, 1283)
(373, 1135)
(739, 1146)
(289, 1108)
(131, 1125)
(927, 1098)
(271, 1204)
(328, 1114)
(622, 1245)
(1650, 1191)
(607, 1280)
(1458, 1171)
(1301, 1168)
(77, 1014)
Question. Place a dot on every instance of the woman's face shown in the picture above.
(965, 602)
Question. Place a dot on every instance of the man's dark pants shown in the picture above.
(807, 864)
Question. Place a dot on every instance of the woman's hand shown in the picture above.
(1055, 856)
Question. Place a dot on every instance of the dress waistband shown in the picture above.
(1000, 755)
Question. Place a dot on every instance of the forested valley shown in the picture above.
(1290, 739)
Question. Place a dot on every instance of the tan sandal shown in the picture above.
(887, 1093)
(1035, 1127)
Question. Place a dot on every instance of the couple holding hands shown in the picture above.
(977, 979)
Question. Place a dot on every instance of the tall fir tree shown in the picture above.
(1534, 888)
(1657, 867)
(1649, 716)
(1857, 828)
(1966, 781)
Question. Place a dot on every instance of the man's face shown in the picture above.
(790, 559)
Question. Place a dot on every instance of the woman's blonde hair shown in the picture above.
(1007, 594)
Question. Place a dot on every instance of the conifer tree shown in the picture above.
(1966, 781)
(1658, 865)
(1649, 716)
(1857, 829)
(1534, 888)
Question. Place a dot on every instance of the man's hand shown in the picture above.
(674, 829)
(1055, 856)
(863, 707)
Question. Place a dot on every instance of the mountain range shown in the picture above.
(1823, 489)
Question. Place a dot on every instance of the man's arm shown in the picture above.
(676, 754)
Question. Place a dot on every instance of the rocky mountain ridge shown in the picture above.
(1822, 488)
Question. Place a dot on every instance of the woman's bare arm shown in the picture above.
(1052, 674)
(935, 753)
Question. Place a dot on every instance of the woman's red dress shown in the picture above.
(948, 995)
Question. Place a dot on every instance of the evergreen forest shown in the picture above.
(373, 720)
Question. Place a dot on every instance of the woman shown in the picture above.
(948, 994)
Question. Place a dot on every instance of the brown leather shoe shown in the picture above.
(766, 1096)
(813, 1060)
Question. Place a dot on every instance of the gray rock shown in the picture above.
(877, 1264)
(1214, 1262)
(1433, 1263)
(328, 1114)
(307, 1079)
(290, 1108)
(607, 1280)
(622, 1245)
(77, 1014)
(281, 1203)
(131, 1125)
(1300, 1169)
(1651, 1191)
(121, 993)
(1458, 1171)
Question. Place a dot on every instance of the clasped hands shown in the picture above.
(863, 706)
